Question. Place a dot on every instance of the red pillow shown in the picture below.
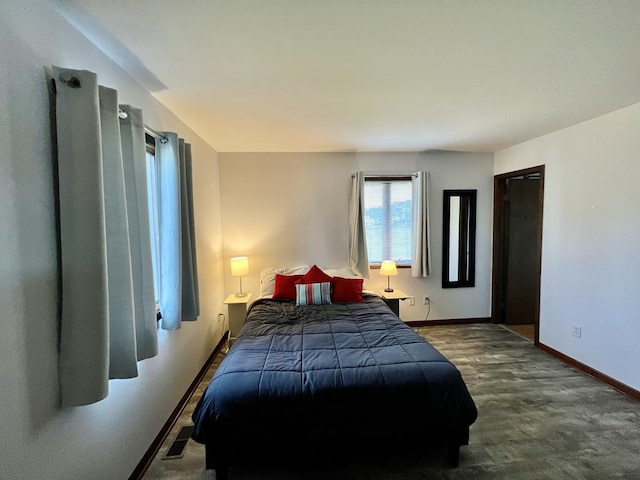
(347, 290)
(285, 288)
(315, 275)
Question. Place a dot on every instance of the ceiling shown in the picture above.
(373, 75)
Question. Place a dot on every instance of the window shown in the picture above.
(153, 186)
(388, 219)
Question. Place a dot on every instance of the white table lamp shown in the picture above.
(388, 268)
(239, 268)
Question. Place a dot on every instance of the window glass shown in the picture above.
(153, 185)
(388, 213)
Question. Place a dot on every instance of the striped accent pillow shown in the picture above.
(313, 293)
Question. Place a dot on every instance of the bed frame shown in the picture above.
(250, 417)
(221, 457)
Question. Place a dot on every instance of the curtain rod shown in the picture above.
(158, 136)
(386, 175)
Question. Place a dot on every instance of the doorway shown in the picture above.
(517, 250)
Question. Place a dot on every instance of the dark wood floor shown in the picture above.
(538, 419)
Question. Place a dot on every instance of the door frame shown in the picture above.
(499, 233)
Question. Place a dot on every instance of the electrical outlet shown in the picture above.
(412, 301)
(426, 300)
(576, 330)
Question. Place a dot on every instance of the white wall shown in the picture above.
(292, 208)
(591, 235)
(106, 440)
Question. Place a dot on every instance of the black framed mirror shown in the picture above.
(459, 238)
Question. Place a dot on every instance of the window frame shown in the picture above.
(150, 148)
(391, 178)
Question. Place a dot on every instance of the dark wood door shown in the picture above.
(521, 269)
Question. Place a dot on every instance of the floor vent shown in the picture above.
(176, 450)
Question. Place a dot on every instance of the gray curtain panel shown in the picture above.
(358, 256)
(190, 300)
(135, 175)
(421, 229)
(83, 362)
(179, 298)
(170, 297)
(104, 329)
(122, 357)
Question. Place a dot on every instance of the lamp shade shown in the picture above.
(239, 266)
(388, 267)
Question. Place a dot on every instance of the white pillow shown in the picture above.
(268, 277)
(344, 272)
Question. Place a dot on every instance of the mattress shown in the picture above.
(339, 375)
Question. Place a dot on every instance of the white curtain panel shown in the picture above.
(358, 256)
(421, 237)
(100, 328)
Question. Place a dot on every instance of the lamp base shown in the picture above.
(388, 289)
(241, 294)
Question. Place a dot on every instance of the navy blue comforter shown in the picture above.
(339, 374)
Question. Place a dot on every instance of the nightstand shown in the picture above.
(237, 307)
(393, 299)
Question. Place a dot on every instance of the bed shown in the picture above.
(329, 379)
